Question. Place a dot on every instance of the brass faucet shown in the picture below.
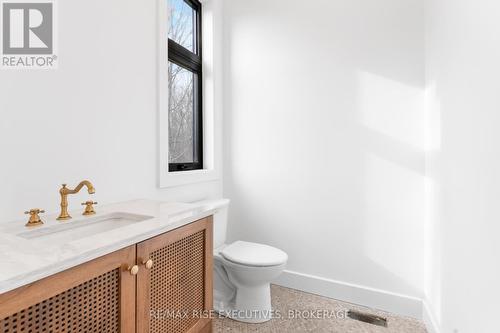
(35, 219)
(89, 207)
(64, 191)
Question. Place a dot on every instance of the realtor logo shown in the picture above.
(28, 34)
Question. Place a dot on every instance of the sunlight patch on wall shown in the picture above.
(433, 214)
(392, 108)
(432, 119)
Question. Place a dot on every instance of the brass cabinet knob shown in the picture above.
(133, 269)
(35, 219)
(148, 263)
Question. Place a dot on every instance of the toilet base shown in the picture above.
(255, 301)
(251, 305)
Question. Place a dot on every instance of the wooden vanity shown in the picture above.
(160, 285)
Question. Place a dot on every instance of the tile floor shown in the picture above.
(285, 300)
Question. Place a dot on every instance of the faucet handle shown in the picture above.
(35, 211)
(89, 209)
(35, 219)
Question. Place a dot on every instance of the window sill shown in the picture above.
(179, 178)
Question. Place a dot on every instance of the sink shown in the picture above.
(70, 231)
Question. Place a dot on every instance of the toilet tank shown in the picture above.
(220, 218)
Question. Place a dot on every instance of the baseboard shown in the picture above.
(374, 298)
(429, 319)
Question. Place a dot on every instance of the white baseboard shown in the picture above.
(374, 298)
(429, 319)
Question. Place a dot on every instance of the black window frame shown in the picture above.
(192, 61)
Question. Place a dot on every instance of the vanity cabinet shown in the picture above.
(97, 296)
(174, 295)
(169, 293)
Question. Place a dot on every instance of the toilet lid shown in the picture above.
(253, 254)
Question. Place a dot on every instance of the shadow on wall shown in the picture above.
(324, 136)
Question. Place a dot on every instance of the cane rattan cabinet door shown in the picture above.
(174, 295)
(95, 297)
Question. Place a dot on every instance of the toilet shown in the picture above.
(243, 272)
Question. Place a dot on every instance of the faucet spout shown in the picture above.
(64, 192)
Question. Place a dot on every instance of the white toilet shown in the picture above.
(242, 273)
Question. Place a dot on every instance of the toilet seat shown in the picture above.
(253, 254)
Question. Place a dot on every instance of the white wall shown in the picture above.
(324, 128)
(324, 136)
(94, 117)
(462, 274)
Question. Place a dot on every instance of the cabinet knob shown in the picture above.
(148, 263)
(133, 269)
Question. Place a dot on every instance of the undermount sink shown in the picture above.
(70, 231)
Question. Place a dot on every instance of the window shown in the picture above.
(185, 139)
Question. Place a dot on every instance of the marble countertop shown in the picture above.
(24, 261)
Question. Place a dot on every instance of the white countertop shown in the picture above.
(23, 261)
